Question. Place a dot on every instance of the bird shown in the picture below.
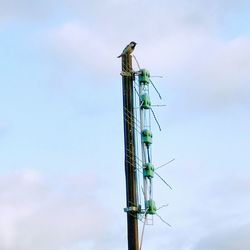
(129, 49)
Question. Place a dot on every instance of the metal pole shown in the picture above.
(130, 155)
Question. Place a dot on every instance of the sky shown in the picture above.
(62, 183)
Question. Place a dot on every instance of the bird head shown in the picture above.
(133, 44)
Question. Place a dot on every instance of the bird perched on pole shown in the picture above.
(128, 50)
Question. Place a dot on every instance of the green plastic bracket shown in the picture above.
(144, 77)
(150, 207)
(145, 101)
(148, 170)
(147, 136)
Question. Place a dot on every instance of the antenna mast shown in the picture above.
(130, 154)
(135, 88)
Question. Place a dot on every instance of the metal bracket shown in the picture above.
(132, 209)
(127, 73)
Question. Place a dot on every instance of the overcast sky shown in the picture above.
(62, 184)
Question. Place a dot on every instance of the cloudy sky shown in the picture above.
(62, 184)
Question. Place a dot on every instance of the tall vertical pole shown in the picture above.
(130, 154)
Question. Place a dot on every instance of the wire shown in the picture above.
(135, 156)
(137, 92)
(131, 116)
(131, 122)
(149, 158)
(163, 180)
(163, 220)
(161, 105)
(156, 119)
(157, 76)
(165, 164)
(162, 207)
(143, 229)
(138, 65)
(155, 88)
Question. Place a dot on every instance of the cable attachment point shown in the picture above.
(148, 170)
(144, 77)
(145, 101)
(150, 207)
(147, 136)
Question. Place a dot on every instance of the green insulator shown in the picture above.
(148, 170)
(150, 207)
(147, 136)
(145, 101)
(144, 77)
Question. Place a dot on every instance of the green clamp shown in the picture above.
(147, 136)
(144, 77)
(145, 101)
(148, 170)
(150, 207)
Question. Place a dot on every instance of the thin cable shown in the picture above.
(136, 158)
(138, 65)
(157, 76)
(130, 122)
(143, 229)
(130, 115)
(136, 92)
(155, 88)
(150, 188)
(163, 220)
(149, 158)
(160, 105)
(163, 180)
(162, 207)
(165, 164)
(156, 119)
(149, 114)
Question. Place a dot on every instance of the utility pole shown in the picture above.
(135, 89)
(130, 153)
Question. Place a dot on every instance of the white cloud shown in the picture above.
(38, 212)
(184, 43)
(210, 71)
(178, 39)
(100, 31)
(78, 44)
